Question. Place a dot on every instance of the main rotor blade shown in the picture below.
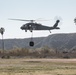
(41, 19)
(21, 20)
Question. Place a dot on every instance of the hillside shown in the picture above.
(56, 41)
(59, 41)
(20, 43)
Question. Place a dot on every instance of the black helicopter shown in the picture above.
(32, 25)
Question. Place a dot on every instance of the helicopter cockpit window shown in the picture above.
(24, 25)
(29, 25)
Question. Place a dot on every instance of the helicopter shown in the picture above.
(32, 25)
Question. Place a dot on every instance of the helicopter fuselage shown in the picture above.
(35, 26)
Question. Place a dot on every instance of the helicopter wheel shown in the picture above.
(31, 43)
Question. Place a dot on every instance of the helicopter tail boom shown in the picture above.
(57, 28)
(56, 24)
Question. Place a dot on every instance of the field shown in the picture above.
(37, 66)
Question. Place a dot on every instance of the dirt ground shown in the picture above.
(25, 66)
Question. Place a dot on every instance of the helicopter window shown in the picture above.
(25, 25)
(29, 25)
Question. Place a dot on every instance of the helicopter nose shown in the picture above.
(21, 27)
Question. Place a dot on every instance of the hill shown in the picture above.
(56, 41)
(19, 43)
(59, 41)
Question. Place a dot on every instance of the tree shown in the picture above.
(2, 30)
(75, 20)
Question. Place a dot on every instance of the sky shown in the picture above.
(35, 9)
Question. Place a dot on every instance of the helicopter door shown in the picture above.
(30, 28)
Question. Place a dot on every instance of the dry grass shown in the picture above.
(37, 66)
(44, 52)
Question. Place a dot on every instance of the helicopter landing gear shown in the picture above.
(31, 31)
(25, 30)
(49, 31)
(31, 43)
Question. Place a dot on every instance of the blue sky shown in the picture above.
(34, 9)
